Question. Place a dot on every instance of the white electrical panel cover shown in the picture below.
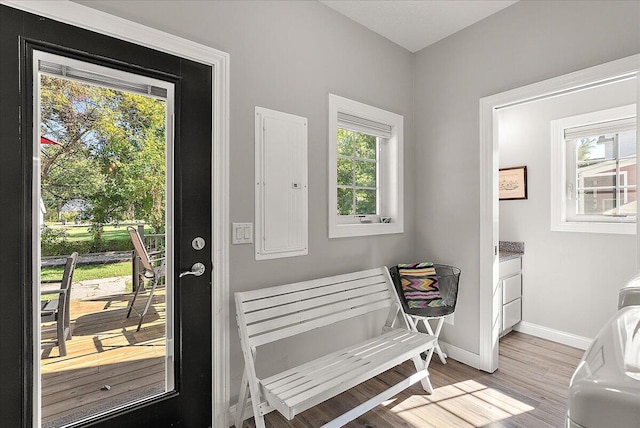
(281, 222)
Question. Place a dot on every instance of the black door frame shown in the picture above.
(11, 368)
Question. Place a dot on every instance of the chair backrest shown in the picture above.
(69, 268)
(269, 314)
(67, 280)
(141, 250)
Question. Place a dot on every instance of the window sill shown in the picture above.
(364, 229)
(594, 227)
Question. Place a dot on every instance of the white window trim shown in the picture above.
(559, 222)
(391, 167)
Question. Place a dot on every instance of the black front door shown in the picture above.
(188, 402)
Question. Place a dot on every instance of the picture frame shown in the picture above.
(512, 183)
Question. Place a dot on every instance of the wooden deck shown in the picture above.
(105, 350)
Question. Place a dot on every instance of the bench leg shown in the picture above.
(242, 400)
(254, 387)
(413, 326)
(421, 366)
(375, 401)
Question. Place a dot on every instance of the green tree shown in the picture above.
(111, 152)
(131, 151)
(584, 147)
(356, 171)
(68, 117)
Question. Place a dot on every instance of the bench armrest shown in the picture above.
(393, 314)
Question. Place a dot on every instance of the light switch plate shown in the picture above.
(242, 233)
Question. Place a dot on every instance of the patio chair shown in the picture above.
(58, 309)
(150, 272)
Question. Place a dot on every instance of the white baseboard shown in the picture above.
(248, 412)
(461, 355)
(558, 336)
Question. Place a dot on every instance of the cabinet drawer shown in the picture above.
(511, 314)
(510, 267)
(511, 288)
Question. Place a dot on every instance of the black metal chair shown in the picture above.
(443, 296)
(57, 309)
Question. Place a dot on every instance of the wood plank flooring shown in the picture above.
(528, 390)
(105, 350)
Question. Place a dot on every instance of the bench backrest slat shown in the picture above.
(277, 312)
(314, 290)
(293, 303)
(311, 325)
(316, 312)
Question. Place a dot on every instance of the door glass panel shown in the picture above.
(103, 193)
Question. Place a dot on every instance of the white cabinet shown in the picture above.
(511, 290)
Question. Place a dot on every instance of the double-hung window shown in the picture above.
(365, 171)
(599, 178)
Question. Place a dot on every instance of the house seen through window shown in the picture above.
(604, 170)
(596, 191)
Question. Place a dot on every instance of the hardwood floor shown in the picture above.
(528, 390)
(105, 351)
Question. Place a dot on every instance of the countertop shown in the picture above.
(510, 250)
(508, 255)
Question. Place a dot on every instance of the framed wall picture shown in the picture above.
(512, 183)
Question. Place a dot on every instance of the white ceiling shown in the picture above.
(415, 24)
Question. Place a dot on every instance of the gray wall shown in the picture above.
(570, 280)
(522, 44)
(288, 56)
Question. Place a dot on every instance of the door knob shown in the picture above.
(196, 270)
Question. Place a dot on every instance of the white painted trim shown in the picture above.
(488, 251)
(103, 23)
(36, 248)
(489, 220)
(595, 227)
(553, 335)
(461, 355)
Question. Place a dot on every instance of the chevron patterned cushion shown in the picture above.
(420, 285)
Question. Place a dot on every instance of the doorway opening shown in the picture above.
(103, 239)
(616, 71)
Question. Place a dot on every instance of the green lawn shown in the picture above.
(78, 238)
(83, 273)
(81, 232)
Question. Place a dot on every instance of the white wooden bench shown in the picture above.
(274, 313)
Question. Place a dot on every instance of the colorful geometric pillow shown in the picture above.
(419, 283)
